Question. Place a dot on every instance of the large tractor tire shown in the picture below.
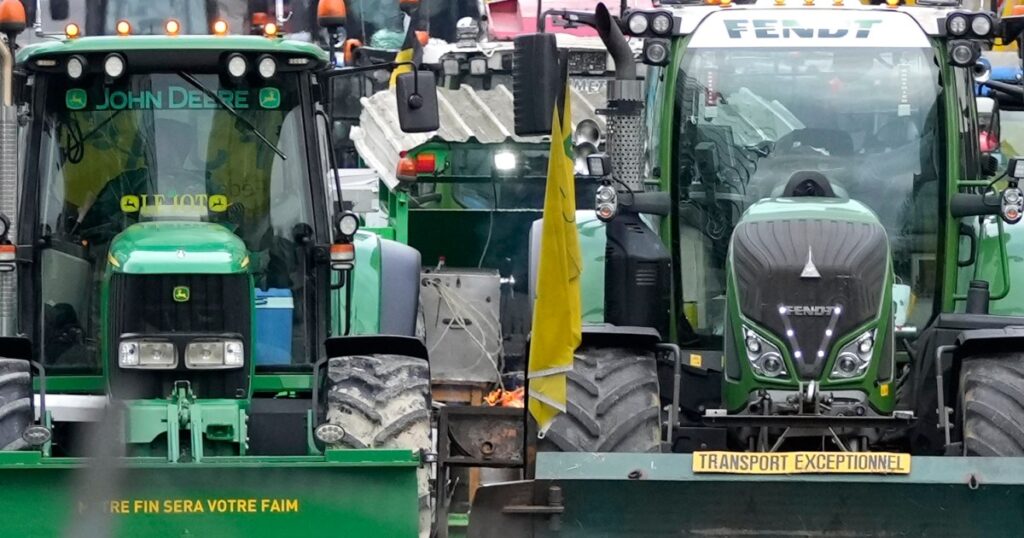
(383, 401)
(612, 404)
(15, 403)
(993, 405)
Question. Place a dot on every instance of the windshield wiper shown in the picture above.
(220, 101)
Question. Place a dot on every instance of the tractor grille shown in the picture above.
(769, 258)
(145, 304)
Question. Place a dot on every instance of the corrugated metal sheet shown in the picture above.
(465, 113)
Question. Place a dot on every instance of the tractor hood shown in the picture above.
(810, 271)
(165, 247)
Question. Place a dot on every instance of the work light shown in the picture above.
(75, 67)
(637, 23)
(661, 24)
(113, 65)
(267, 66)
(237, 66)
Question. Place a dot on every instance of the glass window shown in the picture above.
(159, 147)
(867, 119)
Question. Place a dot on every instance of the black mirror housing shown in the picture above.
(59, 10)
(535, 83)
(416, 94)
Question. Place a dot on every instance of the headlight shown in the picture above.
(661, 24)
(956, 24)
(148, 354)
(267, 66)
(113, 65)
(981, 25)
(76, 67)
(963, 53)
(237, 66)
(504, 161)
(638, 24)
(855, 357)
(214, 354)
(764, 356)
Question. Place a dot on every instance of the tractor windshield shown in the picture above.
(750, 117)
(170, 147)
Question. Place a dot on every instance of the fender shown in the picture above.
(345, 346)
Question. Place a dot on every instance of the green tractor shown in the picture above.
(194, 338)
(807, 272)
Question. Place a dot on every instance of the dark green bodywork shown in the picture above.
(738, 386)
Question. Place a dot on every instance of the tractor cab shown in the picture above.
(179, 281)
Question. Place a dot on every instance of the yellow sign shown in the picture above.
(132, 203)
(801, 462)
(202, 506)
(883, 389)
(696, 360)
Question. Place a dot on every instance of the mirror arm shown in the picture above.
(1004, 87)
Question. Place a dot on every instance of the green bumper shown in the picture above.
(350, 493)
(595, 495)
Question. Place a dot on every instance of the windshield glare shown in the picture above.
(158, 147)
(867, 119)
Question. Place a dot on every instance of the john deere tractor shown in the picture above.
(808, 270)
(194, 338)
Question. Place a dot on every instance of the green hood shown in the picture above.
(177, 247)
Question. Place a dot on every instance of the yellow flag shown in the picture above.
(557, 326)
(411, 50)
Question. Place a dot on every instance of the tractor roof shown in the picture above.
(173, 45)
(929, 18)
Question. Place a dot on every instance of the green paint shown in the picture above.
(943, 504)
(178, 247)
(171, 45)
(355, 493)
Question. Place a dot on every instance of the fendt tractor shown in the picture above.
(191, 331)
(807, 260)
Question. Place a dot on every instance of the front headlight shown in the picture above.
(855, 357)
(764, 356)
(215, 354)
(149, 354)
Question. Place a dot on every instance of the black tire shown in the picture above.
(612, 404)
(15, 403)
(992, 401)
(383, 401)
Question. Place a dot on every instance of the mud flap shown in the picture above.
(658, 495)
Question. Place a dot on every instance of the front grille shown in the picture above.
(769, 257)
(146, 305)
(216, 303)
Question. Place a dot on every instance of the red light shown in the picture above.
(426, 163)
(407, 167)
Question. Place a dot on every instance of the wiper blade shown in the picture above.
(220, 101)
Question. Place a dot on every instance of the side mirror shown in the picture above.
(59, 10)
(535, 80)
(416, 93)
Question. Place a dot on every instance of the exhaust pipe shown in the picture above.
(8, 180)
(625, 140)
